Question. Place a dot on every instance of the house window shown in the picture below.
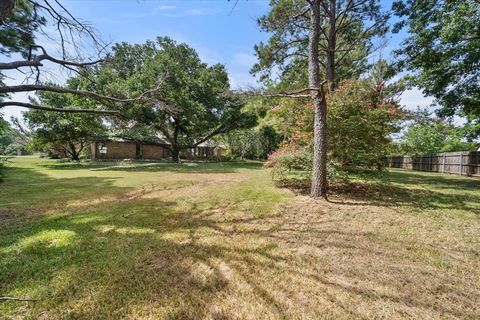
(102, 148)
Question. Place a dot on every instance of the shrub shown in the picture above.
(294, 168)
(290, 160)
(3, 162)
(360, 125)
(254, 144)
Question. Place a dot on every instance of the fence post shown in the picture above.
(430, 164)
(443, 162)
(461, 164)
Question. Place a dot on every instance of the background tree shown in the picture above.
(67, 133)
(254, 144)
(429, 135)
(318, 33)
(362, 122)
(13, 140)
(6, 136)
(442, 50)
(18, 23)
(193, 102)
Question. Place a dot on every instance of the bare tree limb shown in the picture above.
(295, 94)
(66, 23)
(301, 14)
(40, 87)
(292, 94)
(37, 62)
(214, 132)
(355, 43)
(235, 3)
(65, 110)
(16, 299)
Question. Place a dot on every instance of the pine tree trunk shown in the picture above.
(331, 44)
(6, 7)
(319, 173)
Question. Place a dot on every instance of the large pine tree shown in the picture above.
(314, 42)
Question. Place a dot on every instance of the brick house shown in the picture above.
(119, 149)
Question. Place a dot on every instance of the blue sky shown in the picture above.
(211, 27)
(219, 34)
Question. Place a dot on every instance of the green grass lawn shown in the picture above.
(220, 241)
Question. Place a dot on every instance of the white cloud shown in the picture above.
(163, 8)
(414, 98)
(194, 12)
(171, 12)
(241, 80)
(154, 12)
(244, 59)
(206, 54)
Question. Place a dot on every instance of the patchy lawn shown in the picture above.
(219, 241)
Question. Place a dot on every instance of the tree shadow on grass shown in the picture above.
(433, 180)
(418, 191)
(154, 258)
(27, 192)
(150, 258)
(141, 166)
(141, 256)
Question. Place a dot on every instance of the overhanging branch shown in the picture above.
(292, 94)
(36, 61)
(214, 132)
(97, 96)
(65, 110)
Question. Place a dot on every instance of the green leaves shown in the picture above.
(429, 135)
(284, 56)
(360, 122)
(17, 31)
(443, 51)
(197, 95)
(61, 130)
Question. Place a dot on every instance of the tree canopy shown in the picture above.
(61, 132)
(427, 135)
(18, 26)
(360, 124)
(354, 25)
(192, 102)
(442, 50)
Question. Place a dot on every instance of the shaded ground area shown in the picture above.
(219, 241)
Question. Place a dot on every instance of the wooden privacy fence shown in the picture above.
(464, 163)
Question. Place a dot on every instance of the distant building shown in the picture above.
(119, 149)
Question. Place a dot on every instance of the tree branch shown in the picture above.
(66, 110)
(39, 87)
(293, 94)
(213, 133)
(36, 61)
(355, 43)
(16, 299)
